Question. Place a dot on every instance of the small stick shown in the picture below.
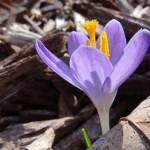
(35, 26)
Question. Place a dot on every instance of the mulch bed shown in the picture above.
(38, 109)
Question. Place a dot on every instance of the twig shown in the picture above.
(35, 26)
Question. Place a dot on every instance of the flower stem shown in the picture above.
(104, 120)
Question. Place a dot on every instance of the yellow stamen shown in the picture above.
(90, 27)
(87, 42)
(104, 47)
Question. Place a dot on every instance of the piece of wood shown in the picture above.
(21, 67)
(24, 64)
(133, 131)
(21, 135)
(137, 85)
(29, 50)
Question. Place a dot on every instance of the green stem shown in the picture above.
(86, 138)
(104, 121)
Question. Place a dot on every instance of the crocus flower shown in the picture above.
(99, 67)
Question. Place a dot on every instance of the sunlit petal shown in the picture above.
(90, 67)
(128, 63)
(116, 40)
(76, 39)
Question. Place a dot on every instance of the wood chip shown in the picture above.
(44, 142)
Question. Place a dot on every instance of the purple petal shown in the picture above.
(76, 39)
(91, 67)
(134, 53)
(116, 40)
(56, 64)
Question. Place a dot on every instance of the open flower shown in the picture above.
(99, 67)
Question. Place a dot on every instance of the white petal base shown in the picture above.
(104, 121)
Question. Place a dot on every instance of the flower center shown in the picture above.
(88, 42)
(104, 44)
(90, 27)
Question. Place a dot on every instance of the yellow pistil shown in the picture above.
(87, 42)
(104, 47)
(90, 27)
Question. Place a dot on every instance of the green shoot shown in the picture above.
(86, 138)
